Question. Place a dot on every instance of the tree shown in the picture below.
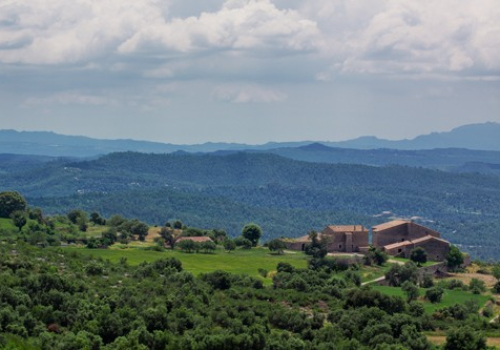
(276, 245)
(252, 232)
(495, 271)
(10, 201)
(476, 286)
(208, 246)
(411, 290)
(465, 338)
(188, 245)
(177, 224)
(139, 229)
(168, 235)
(229, 245)
(418, 255)
(243, 242)
(19, 219)
(454, 258)
(97, 219)
(318, 247)
(434, 294)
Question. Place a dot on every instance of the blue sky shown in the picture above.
(185, 71)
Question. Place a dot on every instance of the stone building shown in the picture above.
(400, 237)
(339, 238)
(345, 238)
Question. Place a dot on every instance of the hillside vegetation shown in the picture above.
(286, 197)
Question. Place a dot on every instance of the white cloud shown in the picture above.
(69, 98)
(402, 37)
(460, 38)
(247, 94)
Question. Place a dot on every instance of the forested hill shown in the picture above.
(286, 197)
(448, 159)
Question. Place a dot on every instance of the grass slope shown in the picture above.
(450, 297)
(238, 262)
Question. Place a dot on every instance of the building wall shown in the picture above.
(390, 235)
(339, 241)
(401, 252)
(295, 245)
(436, 250)
(400, 233)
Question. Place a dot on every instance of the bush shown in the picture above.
(434, 294)
(477, 286)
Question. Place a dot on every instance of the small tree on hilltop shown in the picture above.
(418, 255)
(252, 232)
(11, 201)
(19, 219)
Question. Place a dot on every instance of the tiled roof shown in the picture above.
(397, 245)
(389, 224)
(347, 228)
(414, 241)
(429, 237)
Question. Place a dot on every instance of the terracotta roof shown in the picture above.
(305, 238)
(397, 245)
(429, 237)
(347, 228)
(414, 241)
(390, 224)
(195, 239)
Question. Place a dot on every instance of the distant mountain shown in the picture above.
(475, 136)
(485, 136)
(449, 159)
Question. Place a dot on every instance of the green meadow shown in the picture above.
(238, 262)
(450, 297)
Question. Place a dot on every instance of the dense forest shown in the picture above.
(53, 298)
(286, 197)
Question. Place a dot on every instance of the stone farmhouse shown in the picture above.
(397, 238)
(340, 238)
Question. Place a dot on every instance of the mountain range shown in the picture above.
(473, 136)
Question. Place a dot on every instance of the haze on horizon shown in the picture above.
(248, 71)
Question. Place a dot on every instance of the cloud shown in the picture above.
(159, 38)
(402, 37)
(247, 94)
(58, 31)
(69, 98)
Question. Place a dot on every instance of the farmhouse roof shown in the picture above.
(390, 224)
(414, 241)
(347, 228)
(398, 245)
(429, 237)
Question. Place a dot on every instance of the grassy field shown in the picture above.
(450, 297)
(7, 224)
(239, 261)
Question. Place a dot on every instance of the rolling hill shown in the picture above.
(286, 197)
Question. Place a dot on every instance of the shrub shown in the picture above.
(434, 294)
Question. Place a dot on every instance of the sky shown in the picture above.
(248, 71)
